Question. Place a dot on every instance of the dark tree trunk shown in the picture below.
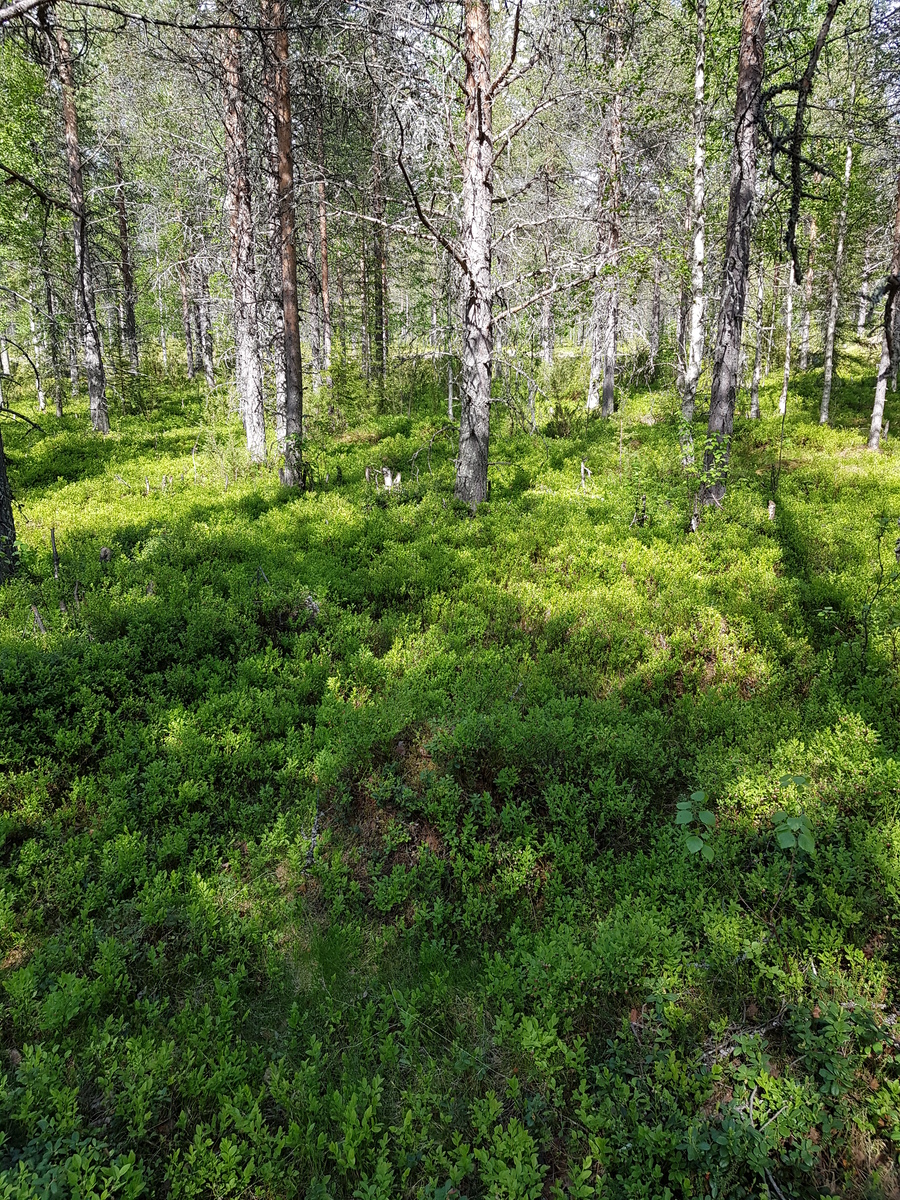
(8, 555)
(129, 322)
(323, 250)
(204, 321)
(292, 474)
(53, 331)
(737, 252)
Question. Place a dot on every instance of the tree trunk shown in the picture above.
(884, 365)
(770, 328)
(757, 352)
(612, 253)
(656, 330)
(292, 473)
(605, 312)
(8, 555)
(698, 254)
(835, 292)
(53, 331)
(380, 284)
(788, 329)
(323, 251)
(84, 273)
(808, 296)
(160, 309)
(186, 319)
(477, 195)
(243, 266)
(315, 324)
(737, 252)
(129, 322)
(863, 295)
(36, 352)
(204, 317)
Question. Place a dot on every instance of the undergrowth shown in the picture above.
(340, 847)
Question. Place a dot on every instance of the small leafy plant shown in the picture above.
(792, 833)
(697, 840)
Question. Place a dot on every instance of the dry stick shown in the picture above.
(55, 552)
(39, 624)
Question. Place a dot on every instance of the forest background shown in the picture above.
(449, 564)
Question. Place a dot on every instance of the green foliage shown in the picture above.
(336, 844)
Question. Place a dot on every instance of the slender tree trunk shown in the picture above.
(698, 212)
(656, 330)
(186, 319)
(757, 352)
(770, 328)
(272, 308)
(737, 252)
(478, 183)
(8, 554)
(380, 285)
(292, 473)
(160, 309)
(365, 330)
(863, 295)
(204, 320)
(884, 365)
(834, 292)
(315, 324)
(323, 250)
(450, 338)
(612, 310)
(595, 381)
(788, 329)
(808, 283)
(36, 353)
(125, 266)
(243, 266)
(53, 331)
(84, 274)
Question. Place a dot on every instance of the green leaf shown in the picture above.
(806, 843)
(794, 823)
(694, 843)
(786, 840)
(779, 818)
(698, 797)
(707, 817)
(786, 780)
(708, 853)
(801, 780)
(684, 817)
(684, 804)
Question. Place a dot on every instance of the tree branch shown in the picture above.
(435, 233)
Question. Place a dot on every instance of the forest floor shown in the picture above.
(354, 847)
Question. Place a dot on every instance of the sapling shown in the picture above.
(697, 841)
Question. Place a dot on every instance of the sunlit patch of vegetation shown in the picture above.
(339, 840)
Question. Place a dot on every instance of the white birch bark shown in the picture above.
(788, 332)
(884, 365)
(478, 182)
(243, 267)
(698, 214)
